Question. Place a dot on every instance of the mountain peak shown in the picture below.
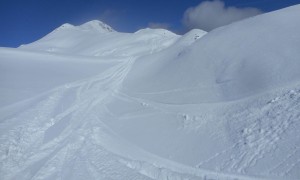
(97, 25)
(64, 26)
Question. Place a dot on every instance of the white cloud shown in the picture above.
(212, 14)
(153, 25)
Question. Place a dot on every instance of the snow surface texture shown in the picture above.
(87, 102)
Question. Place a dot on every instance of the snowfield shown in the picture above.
(87, 102)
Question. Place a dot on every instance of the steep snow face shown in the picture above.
(228, 63)
(95, 38)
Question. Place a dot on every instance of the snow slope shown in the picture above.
(25, 73)
(87, 102)
(229, 63)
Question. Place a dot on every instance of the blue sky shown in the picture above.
(24, 21)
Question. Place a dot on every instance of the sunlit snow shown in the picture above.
(87, 102)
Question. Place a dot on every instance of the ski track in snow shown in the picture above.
(45, 131)
(63, 136)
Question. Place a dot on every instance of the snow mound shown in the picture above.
(228, 63)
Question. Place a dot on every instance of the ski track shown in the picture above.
(25, 145)
(51, 141)
(62, 135)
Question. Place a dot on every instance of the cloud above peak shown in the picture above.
(209, 15)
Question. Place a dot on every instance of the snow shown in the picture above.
(94, 38)
(87, 102)
(228, 63)
(96, 25)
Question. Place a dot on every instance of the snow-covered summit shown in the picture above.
(65, 26)
(90, 26)
(96, 25)
(99, 39)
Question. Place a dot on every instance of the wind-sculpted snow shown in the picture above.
(154, 105)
